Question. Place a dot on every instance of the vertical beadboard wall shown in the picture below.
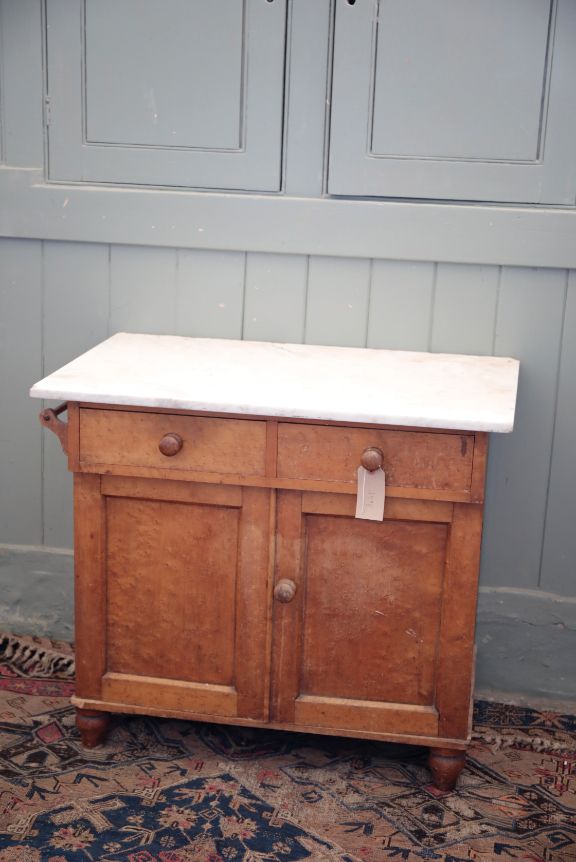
(57, 299)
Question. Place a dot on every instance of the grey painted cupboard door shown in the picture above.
(455, 99)
(166, 92)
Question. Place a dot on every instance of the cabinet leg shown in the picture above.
(446, 764)
(92, 725)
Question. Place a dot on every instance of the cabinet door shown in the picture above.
(172, 595)
(166, 92)
(456, 99)
(379, 635)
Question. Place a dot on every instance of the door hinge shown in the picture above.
(47, 111)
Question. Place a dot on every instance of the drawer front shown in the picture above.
(209, 445)
(412, 459)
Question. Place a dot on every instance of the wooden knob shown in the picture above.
(372, 458)
(284, 591)
(170, 444)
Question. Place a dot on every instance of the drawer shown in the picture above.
(416, 459)
(209, 445)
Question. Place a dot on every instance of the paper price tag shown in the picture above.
(371, 494)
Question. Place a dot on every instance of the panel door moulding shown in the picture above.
(167, 93)
(456, 100)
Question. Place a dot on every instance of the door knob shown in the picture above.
(284, 591)
(372, 458)
(170, 444)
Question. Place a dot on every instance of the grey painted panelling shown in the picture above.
(133, 96)
(76, 311)
(338, 297)
(559, 557)
(20, 366)
(21, 82)
(210, 293)
(379, 229)
(308, 51)
(2, 124)
(401, 304)
(561, 119)
(418, 112)
(76, 300)
(275, 297)
(460, 106)
(464, 309)
(142, 290)
(528, 327)
(395, 230)
(138, 64)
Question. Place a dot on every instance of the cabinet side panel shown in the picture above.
(90, 592)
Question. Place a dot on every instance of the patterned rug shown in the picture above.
(175, 791)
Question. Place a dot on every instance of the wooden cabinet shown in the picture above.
(221, 571)
(179, 558)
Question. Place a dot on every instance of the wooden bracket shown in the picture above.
(49, 418)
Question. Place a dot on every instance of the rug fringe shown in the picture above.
(498, 741)
(37, 657)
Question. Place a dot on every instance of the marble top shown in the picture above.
(389, 387)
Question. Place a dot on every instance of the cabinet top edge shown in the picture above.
(348, 384)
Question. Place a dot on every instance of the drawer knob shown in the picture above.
(372, 458)
(284, 591)
(170, 444)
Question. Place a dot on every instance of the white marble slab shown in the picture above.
(388, 387)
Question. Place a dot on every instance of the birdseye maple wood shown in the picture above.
(409, 458)
(191, 442)
(221, 575)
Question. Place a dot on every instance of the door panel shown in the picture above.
(357, 646)
(490, 109)
(372, 608)
(171, 585)
(168, 93)
(184, 624)
(135, 89)
(459, 99)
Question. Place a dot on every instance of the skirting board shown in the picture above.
(37, 591)
(526, 638)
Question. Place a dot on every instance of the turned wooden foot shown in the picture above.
(446, 764)
(92, 726)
